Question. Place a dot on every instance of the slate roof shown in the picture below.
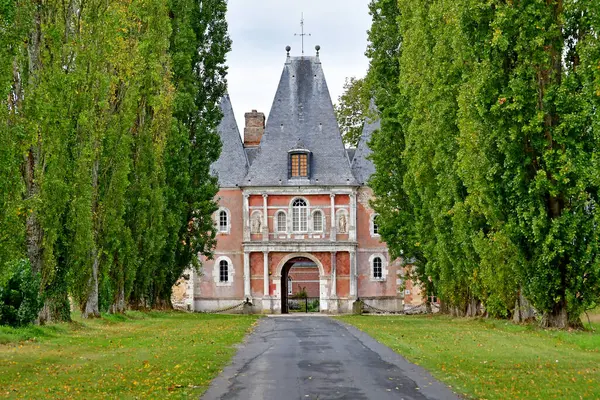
(362, 168)
(350, 152)
(301, 110)
(251, 153)
(232, 165)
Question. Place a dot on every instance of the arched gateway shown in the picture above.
(302, 274)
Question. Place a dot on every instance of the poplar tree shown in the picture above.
(11, 212)
(493, 161)
(529, 128)
(198, 45)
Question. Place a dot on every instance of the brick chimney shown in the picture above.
(254, 129)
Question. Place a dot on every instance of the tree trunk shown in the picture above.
(118, 305)
(558, 317)
(163, 304)
(91, 309)
(523, 310)
(56, 307)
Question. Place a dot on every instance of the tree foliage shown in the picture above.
(487, 156)
(352, 109)
(108, 113)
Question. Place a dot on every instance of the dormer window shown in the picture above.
(299, 162)
(299, 165)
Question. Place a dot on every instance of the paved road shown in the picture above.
(306, 357)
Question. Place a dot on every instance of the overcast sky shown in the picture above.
(261, 29)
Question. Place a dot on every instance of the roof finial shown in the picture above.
(317, 48)
(302, 30)
(288, 48)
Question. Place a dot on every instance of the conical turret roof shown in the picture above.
(302, 111)
(232, 165)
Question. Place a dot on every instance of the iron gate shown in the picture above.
(305, 304)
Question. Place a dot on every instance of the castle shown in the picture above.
(294, 215)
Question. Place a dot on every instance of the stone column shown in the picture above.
(247, 288)
(352, 230)
(333, 274)
(332, 233)
(246, 217)
(265, 228)
(353, 275)
(266, 273)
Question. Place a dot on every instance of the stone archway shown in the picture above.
(283, 269)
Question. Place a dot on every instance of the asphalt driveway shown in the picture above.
(316, 357)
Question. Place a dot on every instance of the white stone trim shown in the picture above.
(217, 271)
(217, 218)
(372, 225)
(384, 267)
(297, 190)
(299, 247)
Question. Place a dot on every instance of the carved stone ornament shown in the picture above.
(256, 222)
(342, 225)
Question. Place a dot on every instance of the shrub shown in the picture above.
(20, 302)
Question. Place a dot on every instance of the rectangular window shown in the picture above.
(299, 220)
(299, 165)
(281, 222)
(317, 222)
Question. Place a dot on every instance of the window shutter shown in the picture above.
(309, 165)
(289, 165)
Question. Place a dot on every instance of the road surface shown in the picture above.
(317, 357)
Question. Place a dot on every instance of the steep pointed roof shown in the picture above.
(362, 167)
(232, 165)
(302, 110)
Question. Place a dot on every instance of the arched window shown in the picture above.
(318, 221)
(374, 225)
(377, 268)
(299, 213)
(223, 271)
(223, 221)
(290, 282)
(281, 222)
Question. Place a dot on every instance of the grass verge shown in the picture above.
(139, 355)
(492, 359)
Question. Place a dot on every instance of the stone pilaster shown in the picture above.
(266, 274)
(352, 230)
(333, 274)
(333, 228)
(247, 288)
(353, 275)
(246, 217)
(265, 227)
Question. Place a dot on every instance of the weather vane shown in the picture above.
(302, 30)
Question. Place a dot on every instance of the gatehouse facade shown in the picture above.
(295, 219)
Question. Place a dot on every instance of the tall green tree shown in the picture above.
(198, 46)
(529, 135)
(12, 33)
(493, 158)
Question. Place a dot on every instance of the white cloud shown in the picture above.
(261, 29)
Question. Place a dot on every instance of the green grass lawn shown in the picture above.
(492, 359)
(140, 355)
